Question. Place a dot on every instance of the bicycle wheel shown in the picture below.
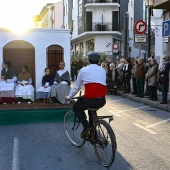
(73, 129)
(105, 143)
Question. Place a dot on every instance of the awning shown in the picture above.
(162, 5)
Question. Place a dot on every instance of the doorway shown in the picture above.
(20, 53)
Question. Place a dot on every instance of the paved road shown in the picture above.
(143, 135)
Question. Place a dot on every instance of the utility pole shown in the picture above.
(126, 34)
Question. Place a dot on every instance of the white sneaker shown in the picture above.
(29, 102)
(19, 102)
(4, 103)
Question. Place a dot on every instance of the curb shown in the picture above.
(155, 104)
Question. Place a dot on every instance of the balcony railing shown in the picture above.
(102, 1)
(99, 26)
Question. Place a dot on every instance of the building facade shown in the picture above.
(98, 24)
(51, 16)
(37, 48)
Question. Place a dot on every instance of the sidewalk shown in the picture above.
(144, 100)
(149, 102)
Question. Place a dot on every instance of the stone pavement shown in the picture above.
(145, 100)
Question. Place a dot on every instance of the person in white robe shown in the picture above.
(7, 84)
(24, 89)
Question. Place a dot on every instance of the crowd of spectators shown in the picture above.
(140, 78)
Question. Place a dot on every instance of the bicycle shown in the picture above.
(101, 136)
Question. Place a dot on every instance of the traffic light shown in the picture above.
(130, 49)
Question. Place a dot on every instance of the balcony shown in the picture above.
(107, 3)
(99, 26)
(102, 1)
(161, 4)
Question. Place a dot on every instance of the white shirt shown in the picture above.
(89, 74)
(61, 72)
(125, 67)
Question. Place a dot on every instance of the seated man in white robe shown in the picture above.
(61, 86)
(7, 83)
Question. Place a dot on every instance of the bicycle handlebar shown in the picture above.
(76, 97)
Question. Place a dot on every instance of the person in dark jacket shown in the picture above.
(133, 77)
(140, 77)
(164, 79)
(47, 82)
(72, 70)
(126, 76)
(112, 79)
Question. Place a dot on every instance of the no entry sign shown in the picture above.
(140, 27)
(115, 48)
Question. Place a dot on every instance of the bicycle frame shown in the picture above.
(93, 120)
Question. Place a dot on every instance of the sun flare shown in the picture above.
(17, 15)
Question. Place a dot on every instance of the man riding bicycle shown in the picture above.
(93, 77)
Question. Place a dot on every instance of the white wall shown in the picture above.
(158, 35)
(40, 39)
(101, 41)
(75, 18)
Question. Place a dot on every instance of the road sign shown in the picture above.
(140, 27)
(165, 39)
(166, 28)
(108, 46)
(115, 48)
(140, 38)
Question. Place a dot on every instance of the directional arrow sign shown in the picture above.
(140, 26)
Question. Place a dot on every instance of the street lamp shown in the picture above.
(149, 5)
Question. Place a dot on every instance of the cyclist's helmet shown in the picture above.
(94, 56)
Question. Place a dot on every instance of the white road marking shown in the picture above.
(116, 114)
(148, 130)
(115, 100)
(152, 125)
(133, 109)
(15, 161)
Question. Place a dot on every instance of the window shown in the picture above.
(80, 19)
(90, 45)
(77, 49)
(73, 25)
(81, 48)
(131, 24)
(65, 9)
